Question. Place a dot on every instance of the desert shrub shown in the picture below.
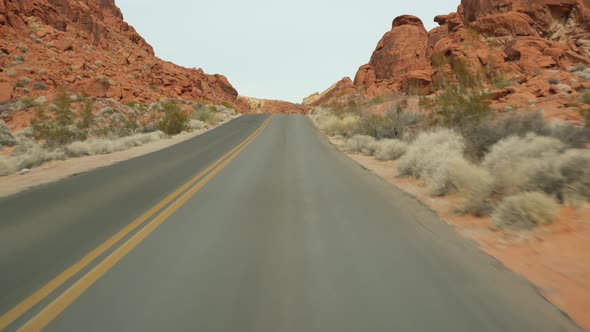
(423, 154)
(566, 177)
(27, 102)
(525, 210)
(27, 153)
(196, 124)
(390, 149)
(7, 166)
(513, 160)
(404, 123)
(87, 119)
(437, 159)
(206, 115)
(334, 125)
(39, 86)
(106, 146)
(59, 129)
(501, 82)
(6, 137)
(227, 105)
(553, 81)
(372, 125)
(457, 175)
(175, 120)
(482, 136)
(463, 100)
(571, 135)
(360, 144)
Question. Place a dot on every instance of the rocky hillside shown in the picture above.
(85, 45)
(531, 54)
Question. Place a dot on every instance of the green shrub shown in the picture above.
(87, 119)
(175, 120)
(206, 115)
(463, 100)
(59, 129)
(227, 105)
(501, 82)
(27, 102)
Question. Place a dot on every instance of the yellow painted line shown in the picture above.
(25, 305)
(55, 308)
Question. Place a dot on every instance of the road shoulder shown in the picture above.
(55, 171)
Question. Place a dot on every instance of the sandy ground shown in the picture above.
(555, 258)
(57, 170)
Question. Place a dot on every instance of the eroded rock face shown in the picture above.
(401, 51)
(528, 44)
(86, 45)
(343, 87)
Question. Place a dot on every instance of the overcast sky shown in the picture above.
(273, 49)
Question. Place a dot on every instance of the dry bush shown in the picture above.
(106, 146)
(492, 129)
(390, 149)
(196, 124)
(571, 135)
(526, 210)
(430, 147)
(334, 125)
(566, 177)
(6, 137)
(437, 158)
(394, 124)
(360, 144)
(514, 160)
(456, 175)
(7, 166)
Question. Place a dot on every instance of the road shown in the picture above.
(260, 225)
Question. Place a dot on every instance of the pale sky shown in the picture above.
(273, 49)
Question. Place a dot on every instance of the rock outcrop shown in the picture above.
(86, 45)
(540, 47)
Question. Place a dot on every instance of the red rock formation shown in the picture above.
(86, 45)
(529, 43)
(343, 87)
(400, 52)
(273, 106)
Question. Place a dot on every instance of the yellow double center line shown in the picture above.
(52, 310)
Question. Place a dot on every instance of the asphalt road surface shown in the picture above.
(259, 225)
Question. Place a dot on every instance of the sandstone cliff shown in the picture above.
(86, 45)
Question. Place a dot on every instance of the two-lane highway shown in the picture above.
(260, 226)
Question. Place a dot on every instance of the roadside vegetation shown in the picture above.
(77, 125)
(512, 166)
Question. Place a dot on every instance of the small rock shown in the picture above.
(24, 171)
